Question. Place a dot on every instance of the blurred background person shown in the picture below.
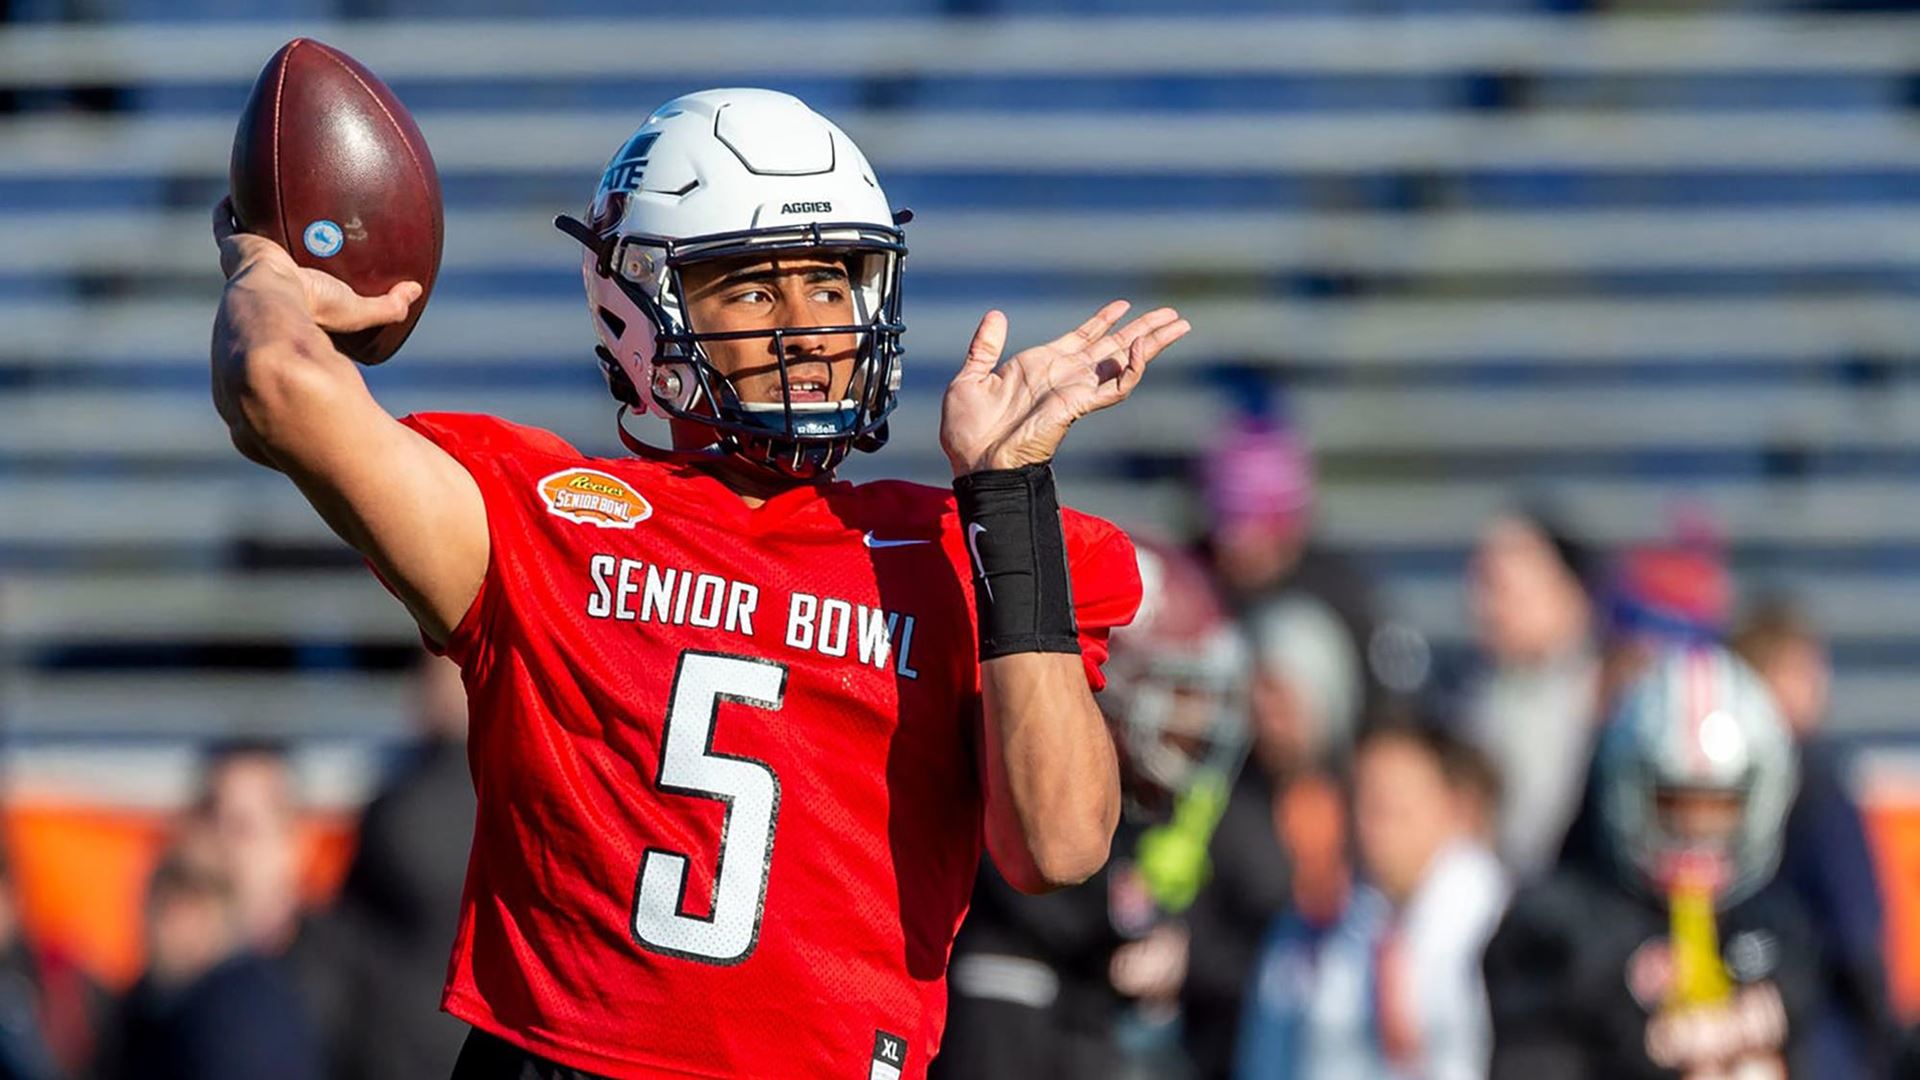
(1826, 859)
(1392, 984)
(1675, 591)
(53, 1016)
(1531, 709)
(222, 993)
(248, 817)
(1312, 820)
(1084, 982)
(1258, 487)
(209, 1006)
(1662, 595)
(1680, 954)
(1430, 853)
(373, 965)
(1392, 988)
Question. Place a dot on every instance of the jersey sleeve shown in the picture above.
(1106, 585)
(495, 453)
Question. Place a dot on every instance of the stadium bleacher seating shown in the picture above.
(1488, 250)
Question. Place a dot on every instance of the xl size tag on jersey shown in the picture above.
(889, 1056)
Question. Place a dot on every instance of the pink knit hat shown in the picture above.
(1259, 470)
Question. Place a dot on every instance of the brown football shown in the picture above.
(328, 164)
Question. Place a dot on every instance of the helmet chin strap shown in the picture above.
(628, 439)
(636, 445)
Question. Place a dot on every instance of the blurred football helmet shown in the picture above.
(1177, 680)
(722, 174)
(1698, 724)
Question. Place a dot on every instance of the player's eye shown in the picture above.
(755, 295)
(828, 294)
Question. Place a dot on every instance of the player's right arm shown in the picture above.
(294, 403)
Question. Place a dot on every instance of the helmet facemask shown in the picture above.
(798, 439)
(1694, 837)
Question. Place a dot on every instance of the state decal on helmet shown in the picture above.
(724, 174)
(1697, 732)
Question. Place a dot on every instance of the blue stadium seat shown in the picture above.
(1441, 260)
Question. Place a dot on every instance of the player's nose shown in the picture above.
(800, 344)
(802, 338)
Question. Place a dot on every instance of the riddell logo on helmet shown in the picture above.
(806, 208)
(591, 497)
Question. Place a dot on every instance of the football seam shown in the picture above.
(413, 158)
(280, 196)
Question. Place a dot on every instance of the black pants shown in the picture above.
(488, 1057)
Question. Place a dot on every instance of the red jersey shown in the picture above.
(729, 801)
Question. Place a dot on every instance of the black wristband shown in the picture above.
(1021, 591)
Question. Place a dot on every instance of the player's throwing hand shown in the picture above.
(1003, 416)
(334, 307)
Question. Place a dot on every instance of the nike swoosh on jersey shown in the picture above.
(874, 542)
(974, 529)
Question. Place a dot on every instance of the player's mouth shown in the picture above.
(808, 383)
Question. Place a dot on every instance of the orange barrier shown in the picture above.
(80, 876)
(1893, 828)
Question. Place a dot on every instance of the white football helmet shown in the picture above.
(721, 174)
(1699, 720)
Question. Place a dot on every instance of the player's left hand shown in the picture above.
(1003, 416)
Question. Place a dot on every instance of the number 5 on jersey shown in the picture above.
(751, 792)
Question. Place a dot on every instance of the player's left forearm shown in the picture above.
(1052, 777)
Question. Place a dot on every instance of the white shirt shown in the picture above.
(1445, 927)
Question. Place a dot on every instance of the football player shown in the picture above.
(739, 730)
(1685, 959)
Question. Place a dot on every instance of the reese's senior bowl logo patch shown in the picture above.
(591, 497)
